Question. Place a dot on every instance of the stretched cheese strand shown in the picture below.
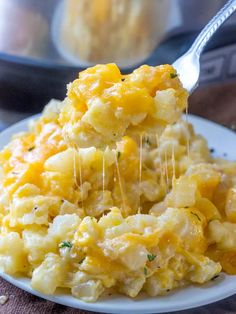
(140, 169)
(81, 181)
(103, 176)
(162, 178)
(166, 171)
(173, 164)
(120, 184)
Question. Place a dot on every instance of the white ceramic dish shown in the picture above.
(224, 142)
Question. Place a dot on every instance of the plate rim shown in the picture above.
(24, 282)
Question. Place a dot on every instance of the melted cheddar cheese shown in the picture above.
(110, 189)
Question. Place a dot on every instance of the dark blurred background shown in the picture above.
(44, 44)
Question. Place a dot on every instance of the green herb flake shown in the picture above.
(64, 244)
(118, 154)
(145, 271)
(173, 75)
(151, 257)
(196, 216)
(81, 261)
(31, 148)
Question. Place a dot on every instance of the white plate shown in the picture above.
(224, 142)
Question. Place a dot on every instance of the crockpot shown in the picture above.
(45, 44)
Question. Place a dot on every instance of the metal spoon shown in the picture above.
(188, 65)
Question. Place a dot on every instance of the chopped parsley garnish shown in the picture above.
(118, 154)
(196, 216)
(145, 271)
(151, 257)
(81, 261)
(173, 75)
(64, 244)
(31, 148)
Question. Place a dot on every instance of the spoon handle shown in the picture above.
(213, 25)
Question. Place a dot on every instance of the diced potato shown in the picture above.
(183, 193)
(230, 206)
(4, 203)
(160, 283)
(132, 286)
(12, 254)
(142, 224)
(223, 234)
(48, 276)
(69, 208)
(151, 190)
(166, 105)
(37, 244)
(59, 185)
(27, 190)
(33, 210)
(98, 202)
(64, 227)
(134, 258)
(199, 149)
(113, 218)
(179, 265)
(52, 109)
(65, 162)
(158, 209)
(204, 271)
(228, 262)
(102, 118)
(184, 225)
(206, 177)
(128, 158)
(88, 291)
(100, 267)
(88, 232)
(207, 208)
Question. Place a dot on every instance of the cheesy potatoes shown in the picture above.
(111, 191)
